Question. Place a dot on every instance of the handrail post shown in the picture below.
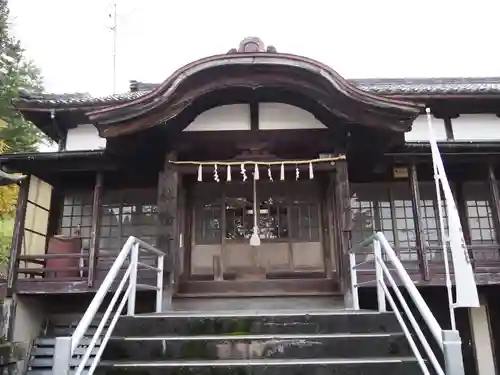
(354, 280)
(134, 258)
(379, 275)
(452, 350)
(62, 356)
(159, 284)
(415, 295)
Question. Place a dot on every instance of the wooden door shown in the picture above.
(289, 223)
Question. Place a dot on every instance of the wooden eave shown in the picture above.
(254, 71)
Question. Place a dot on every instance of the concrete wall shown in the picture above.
(28, 318)
(279, 116)
(480, 127)
(420, 130)
(84, 137)
(483, 343)
(272, 116)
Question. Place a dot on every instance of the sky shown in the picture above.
(72, 42)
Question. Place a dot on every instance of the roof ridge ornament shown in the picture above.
(252, 44)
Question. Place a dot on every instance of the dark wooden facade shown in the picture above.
(132, 188)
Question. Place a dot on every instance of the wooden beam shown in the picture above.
(18, 235)
(254, 115)
(343, 209)
(168, 182)
(495, 197)
(417, 218)
(94, 228)
(462, 213)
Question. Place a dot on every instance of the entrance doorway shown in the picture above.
(290, 228)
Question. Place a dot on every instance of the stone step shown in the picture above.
(257, 347)
(246, 323)
(372, 366)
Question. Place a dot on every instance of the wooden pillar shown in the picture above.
(18, 234)
(417, 215)
(168, 181)
(94, 228)
(495, 197)
(343, 210)
(462, 213)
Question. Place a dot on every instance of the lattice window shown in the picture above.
(404, 219)
(387, 208)
(431, 226)
(125, 213)
(286, 212)
(479, 214)
(77, 215)
(482, 231)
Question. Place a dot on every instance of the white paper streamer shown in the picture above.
(282, 172)
(256, 175)
(200, 173)
(228, 173)
(297, 172)
(311, 171)
(216, 173)
(243, 172)
(269, 173)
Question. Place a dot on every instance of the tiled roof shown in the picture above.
(386, 86)
(430, 86)
(77, 99)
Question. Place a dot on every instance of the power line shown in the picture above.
(114, 29)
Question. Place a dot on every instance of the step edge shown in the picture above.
(261, 362)
(260, 336)
(262, 313)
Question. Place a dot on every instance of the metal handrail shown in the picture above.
(65, 346)
(447, 340)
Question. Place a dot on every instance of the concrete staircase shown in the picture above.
(41, 359)
(241, 342)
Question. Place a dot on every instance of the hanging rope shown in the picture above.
(264, 163)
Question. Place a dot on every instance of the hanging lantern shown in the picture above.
(228, 173)
(311, 171)
(269, 173)
(282, 172)
(255, 238)
(297, 172)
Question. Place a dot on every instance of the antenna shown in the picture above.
(114, 29)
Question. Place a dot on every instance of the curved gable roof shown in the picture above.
(252, 68)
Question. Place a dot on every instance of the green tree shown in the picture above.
(16, 134)
(16, 73)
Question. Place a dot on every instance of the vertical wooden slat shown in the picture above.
(94, 228)
(167, 216)
(331, 227)
(464, 218)
(394, 221)
(343, 199)
(55, 212)
(418, 223)
(495, 198)
(18, 235)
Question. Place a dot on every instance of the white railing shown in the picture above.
(65, 346)
(465, 283)
(387, 263)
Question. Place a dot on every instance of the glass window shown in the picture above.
(385, 207)
(285, 212)
(124, 213)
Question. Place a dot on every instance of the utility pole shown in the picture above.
(114, 29)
